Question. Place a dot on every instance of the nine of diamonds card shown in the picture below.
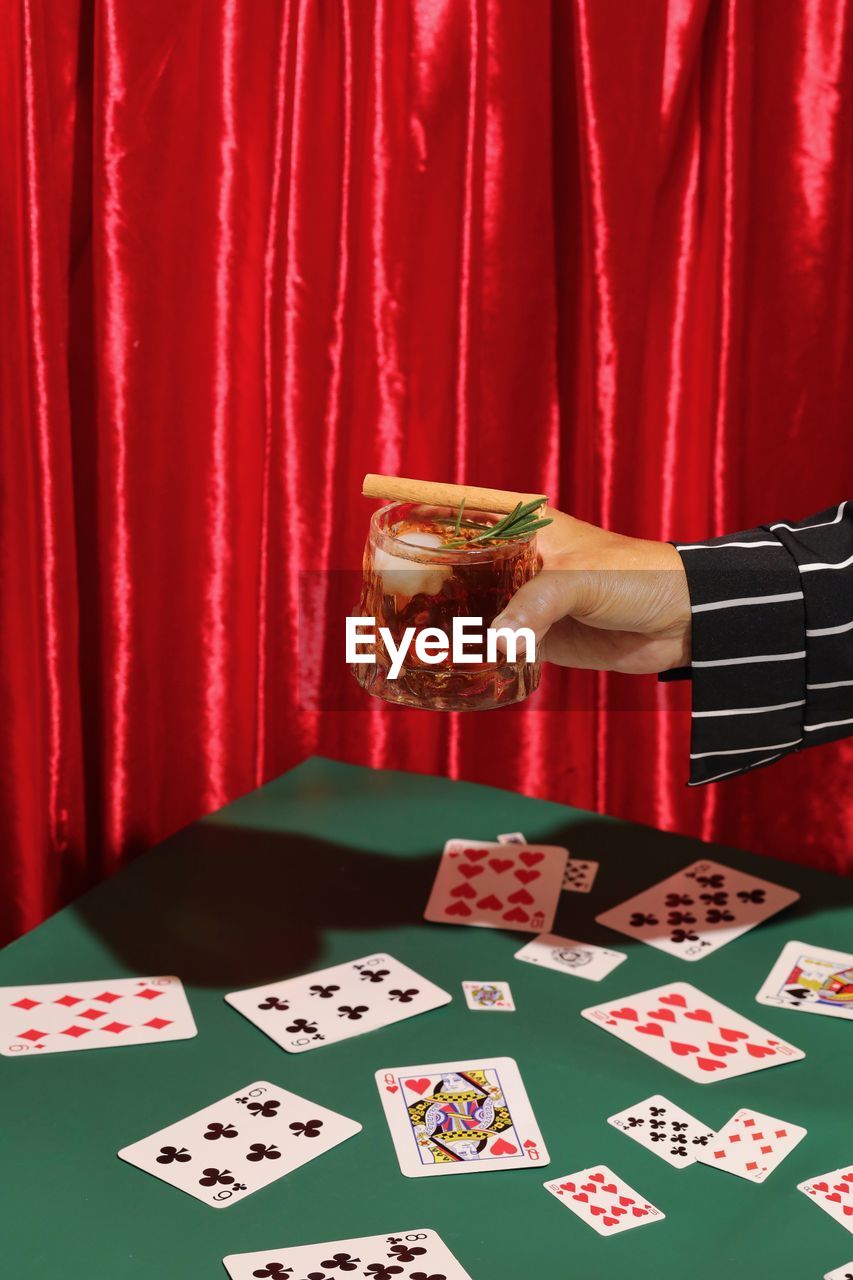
(406, 1255)
(58, 1017)
(603, 1200)
(497, 886)
(698, 910)
(811, 980)
(466, 1116)
(695, 1035)
(241, 1143)
(337, 1003)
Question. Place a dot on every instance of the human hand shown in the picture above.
(604, 601)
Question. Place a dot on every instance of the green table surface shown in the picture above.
(331, 862)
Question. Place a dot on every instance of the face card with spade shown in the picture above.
(54, 1017)
(684, 1029)
(241, 1143)
(497, 886)
(603, 1201)
(751, 1145)
(337, 1003)
(811, 980)
(834, 1193)
(667, 1130)
(403, 1255)
(698, 910)
(465, 1116)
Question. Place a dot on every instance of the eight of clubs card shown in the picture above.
(336, 1003)
(751, 1145)
(698, 910)
(603, 1200)
(404, 1255)
(811, 980)
(834, 1193)
(58, 1017)
(497, 886)
(241, 1143)
(692, 1033)
(662, 1127)
(466, 1116)
(566, 955)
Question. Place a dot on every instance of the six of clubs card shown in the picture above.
(405, 1255)
(337, 1003)
(497, 886)
(469, 1116)
(58, 1017)
(810, 980)
(241, 1143)
(698, 910)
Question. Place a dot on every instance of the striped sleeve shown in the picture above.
(772, 649)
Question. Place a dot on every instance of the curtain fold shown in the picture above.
(255, 248)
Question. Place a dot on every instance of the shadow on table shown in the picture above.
(230, 906)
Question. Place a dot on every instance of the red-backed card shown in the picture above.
(497, 886)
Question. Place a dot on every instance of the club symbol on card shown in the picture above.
(403, 997)
(403, 1252)
(325, 993)
(216, 1177)
(751, 895)
(379, 1271)
(640, 918)
(170, 1154)
(265, 1110)
(306, 1129)
(346, 1262)
(272, 1002)
(302, 1025)
(215, 1131)
(352, 1012)
(260, 1151)
(274, 1269)
(375, 975)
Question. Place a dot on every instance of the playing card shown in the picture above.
(834, 1193)
(698, 910)
(497, 886)
(241, 1143)
(662, 1127)
(751, 1145)
(566, 955)
(58, 1017)
(603, 1201)
(681, 1027)
(579, 875)
(512, 837)
(403, 1255)
(812, 980)
(840, 1273)
(336, 1003)
(466, 1116)
(488, 995)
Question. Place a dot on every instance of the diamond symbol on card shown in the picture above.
(149, 993)
(781, 1133)
(92, 1013)
(68, 1001)
(765, 1151)
(115, 1027)
(735, 1137)
(25, 1004)
(753, 1164)
(107, 997)
(32, 1034)
(747, 1124)
(76, 1032)
(158, 1023)
(718, 1155)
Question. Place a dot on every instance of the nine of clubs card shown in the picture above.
(660, 1126)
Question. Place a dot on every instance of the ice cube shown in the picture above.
(408, 577)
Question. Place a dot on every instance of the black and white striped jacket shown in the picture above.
(772, 664)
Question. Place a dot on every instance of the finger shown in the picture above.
(541, 602)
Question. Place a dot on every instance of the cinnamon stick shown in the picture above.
(433, 493)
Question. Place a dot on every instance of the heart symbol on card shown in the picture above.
(759, 1050)
(710, 1064)
(847, 1177)
(457, 909)
(720, 1049)
(490, 903)
(678, 1001)
(521, 895)
(500, 865)
(470, 872)
(626, 1012)
(530, 859)
(610, 1222)
(597, 1209)
(820, 1186)
(664, 1015)
(728, 1034)
(836, 1199)
(567, 1186)
(841, 1186)
(847, 1210)
(463, 891)
(625, 1200)
(639, 1213)
(516, 914)
(699, 1015)
(682, 1049)
(614, 1208)
(391, 1088)
(651, 1029)
(596, 1177)
(475, 855)
(588, 1186)
(419, 1086)
(504, 1148)
(526, 876)
(581, 1196)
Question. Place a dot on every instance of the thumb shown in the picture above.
(541, 602)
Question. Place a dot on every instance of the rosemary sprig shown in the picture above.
(517, 524)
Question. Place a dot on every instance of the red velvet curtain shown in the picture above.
(254, 248)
